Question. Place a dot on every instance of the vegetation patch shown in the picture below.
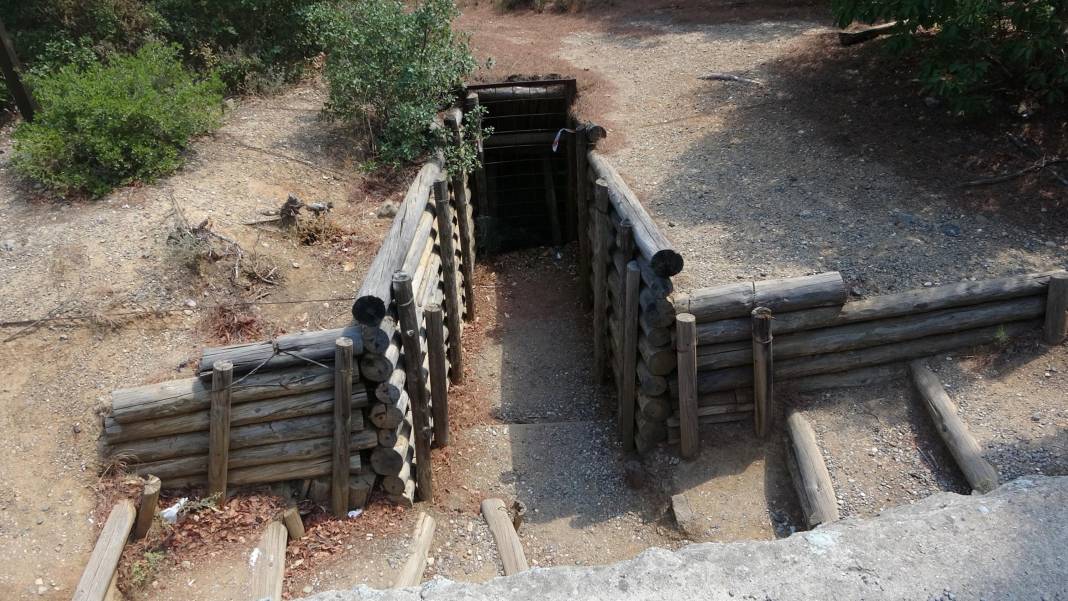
(111, 124)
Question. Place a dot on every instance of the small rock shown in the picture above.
(388, 210)
(856, 291)
(308, 589)
(8, 245)
(950, 229)
(40, 581)
(1036, 417)
(190, 303)
(931, 101)
(188, 312)
(296, 265)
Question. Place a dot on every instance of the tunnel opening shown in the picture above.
(530, 186)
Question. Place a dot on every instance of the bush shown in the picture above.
(978, 51)
(112, 124)
(393, 69)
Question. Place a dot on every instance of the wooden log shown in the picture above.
(789, 294)
(962, 445)
(650, 241)
(629, 371)
(196, 443)
(865, 376)
(849, 38)
(294, 525)
(738, 377)
(551, 205)
(763, 368)
(466, 227)
(190, 395)
(360, 488)
(374, 294)
(269, 564)
(655, 407)
(411, 574)
(390, 390)
(290, 350)
(659, 359)
(219, 429)
(650, 429)
(708, 424)
(274, 472)
(648, 383)
(405, 499)
(912, 302)
(389, 415)
(439, 381)
(600, 283)
(378, 368)
(685, 343)
(104, 560)
(524, 92)
(873, 333)
(716, 412)
(741, 396)
(339, 485)
(659, 312)
(582, 203)
(421, 429)
(809, 472)
(146, 510)
(422, 243)
(1055, 328)
(387, 437)
(503, 531)
(251, 412)
(395, 484)
(655, 336)
(449, 276)
(295, 450)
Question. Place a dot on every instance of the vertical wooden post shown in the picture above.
(10, 68)
(439, 377)
(763, 381)
(600, 264)
(294, 525)
(415, 380)
(448, 268)
(551, 206)
(484, 197)
(269, 569)
(686, 347)
(463, 211)
(582, 187)
(1056, 326)
(222, 377)
(629, 371)
(339, 481)
(146, 512)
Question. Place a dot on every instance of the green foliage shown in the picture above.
(144, 570)
(112, 124)
(979, 49)
(393, 68)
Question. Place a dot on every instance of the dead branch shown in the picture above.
(730, 77)
(1038, 166)
(849, 38)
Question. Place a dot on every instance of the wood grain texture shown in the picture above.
(781, 295)
(629, 370)
(1055, 328)
(146, 509)
(685, 342)
(809, 472)
(439, 373)
(508, 545)
(339, 480)
(763, 370)
(411, 573)
(450, 277)
(269, 566)
(219, 428)
(417, 392)
(98, 573)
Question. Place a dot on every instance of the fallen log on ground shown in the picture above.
(849, 38)
(809, 472)
(508, 545)
(268, 563)
(104, 560)
(411, 574)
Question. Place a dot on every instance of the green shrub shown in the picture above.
(112, 124)
(392, 69)
(979, 50)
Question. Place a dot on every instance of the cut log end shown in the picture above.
(666, 263)
(369, 310)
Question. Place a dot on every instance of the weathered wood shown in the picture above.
(339, 481)
(421, 429)
(219, 429)
(467, 229)
(196, 443)
(715, 412)
(582, 191)
(360, 489)
(708, 424)
(629, 371)
(395, 484)
(387, 437)
(405, 499)
(190, 395)
(686, 345)
(548, 91)
(104, 560)
(962, 445)
(503, 531)
(269, 566)
(439, 381)
(373, 297)
(411, 573)
(290, 350)
(600, 283)
(655, 407)
(146, 510)
(274, 472)
(311, 449)
(651, 242)
(809, 472)
(763, 368)
(659, 359)
(685, 518)
(849, 38)
(389, 415)
(789, 294)
(294, 525)
(378, 368)
(551, 205)
(450, 274)
(1055, 328)
(874, 333)
(251, 412)
(738, 377)
(650, 384)
(865, 376)
(390, 390)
